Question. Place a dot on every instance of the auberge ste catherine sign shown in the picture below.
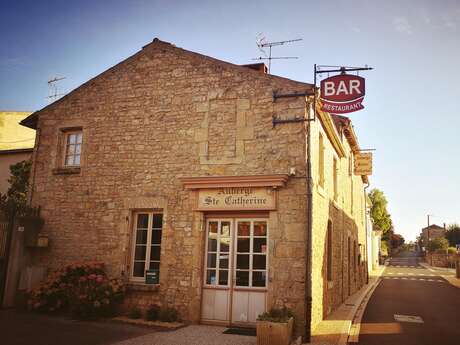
(343, 93)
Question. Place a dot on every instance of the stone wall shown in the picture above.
(441, 260)
(347, 216)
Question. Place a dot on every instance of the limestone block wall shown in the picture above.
(160, 115)
(347, 216)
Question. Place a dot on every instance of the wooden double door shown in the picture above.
(235, 270)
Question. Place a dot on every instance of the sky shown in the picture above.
(411, 116)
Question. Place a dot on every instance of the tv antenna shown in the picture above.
(53, 93)
(262, 43)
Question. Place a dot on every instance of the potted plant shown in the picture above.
(275, 327)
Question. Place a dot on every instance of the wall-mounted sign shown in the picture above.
(363, 164)
(236, 198)
(343, 93)
(152, 277)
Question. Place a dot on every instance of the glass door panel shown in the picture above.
(251, 253)
(218, 252)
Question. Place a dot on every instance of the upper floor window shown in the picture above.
(334, 171)
(73, 142)
(321, 161)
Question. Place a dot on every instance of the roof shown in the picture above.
(433, 226)
(344, 123)
(12, 135)
(31, 121)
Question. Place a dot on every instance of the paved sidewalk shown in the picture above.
(335, 329)
(447, 273)
(191, 335)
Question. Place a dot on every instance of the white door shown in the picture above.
(236, 270)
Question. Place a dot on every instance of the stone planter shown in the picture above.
(274, 333)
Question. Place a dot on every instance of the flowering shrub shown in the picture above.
(82, 288)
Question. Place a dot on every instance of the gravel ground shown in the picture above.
(191, 335)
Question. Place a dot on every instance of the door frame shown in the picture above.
(233, 218)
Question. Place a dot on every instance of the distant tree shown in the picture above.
(15, 199)
(437, 244)
(379, 212)
(453, 234)
(396, 240)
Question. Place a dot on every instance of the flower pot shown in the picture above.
(274, 333)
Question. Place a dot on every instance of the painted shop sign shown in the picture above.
(237, 198)
(363, 164)
(342, 93)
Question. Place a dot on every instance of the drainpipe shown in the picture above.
(367, 229)
(308, 247)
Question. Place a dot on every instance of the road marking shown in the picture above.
(408, 318)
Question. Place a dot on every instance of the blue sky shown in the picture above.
(411, 116)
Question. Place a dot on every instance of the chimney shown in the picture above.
(258, 67)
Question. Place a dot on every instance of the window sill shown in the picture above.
(66, 171)
(321, 191)
(336, 205)
(134, 286)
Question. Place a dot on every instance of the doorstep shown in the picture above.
(336, 328)
(142, 322)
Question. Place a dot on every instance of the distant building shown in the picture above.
(16, 143)
(431, 232)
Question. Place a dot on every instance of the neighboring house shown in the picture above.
(430, 233)
(169, 163)
(16, 143)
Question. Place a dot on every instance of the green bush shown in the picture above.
(452, 250)
(153, 313)
(168, 315)
(437, 244)
(276, 315)
(135, 313)
(83, 289)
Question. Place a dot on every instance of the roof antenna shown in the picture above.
(53, 93)
(262, 43)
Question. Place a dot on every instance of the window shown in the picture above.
(72, 153)
(329, 250)
(334, 167)
(321, 161)
(147, 233)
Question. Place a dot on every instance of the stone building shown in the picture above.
(430, 233)
(193, 171)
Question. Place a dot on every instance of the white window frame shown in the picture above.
(148, 244)
(66, 145)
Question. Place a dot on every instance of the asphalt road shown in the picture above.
(408, 289)
(24, 328)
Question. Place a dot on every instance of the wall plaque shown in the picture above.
(236, 198)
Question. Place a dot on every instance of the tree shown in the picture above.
(15, 199)
(453, 234)
(396, 240)
(437, 244)
(379, 213)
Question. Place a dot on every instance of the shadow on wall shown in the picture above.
(344, 261)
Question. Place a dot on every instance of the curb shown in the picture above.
(356, 314)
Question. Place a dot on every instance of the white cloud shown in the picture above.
(401, 24)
